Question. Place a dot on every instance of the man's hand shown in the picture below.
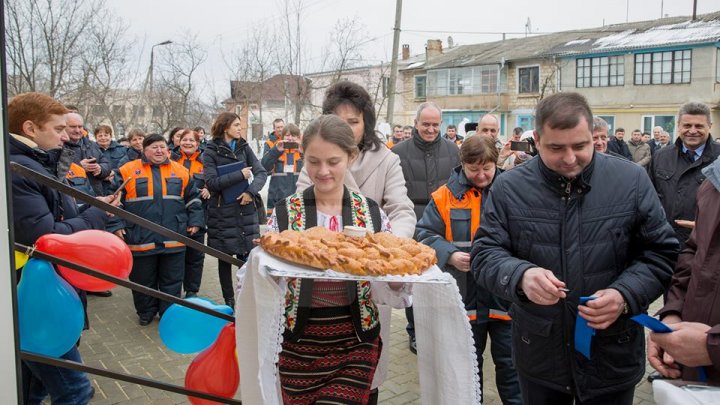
(685, 224)
(111, 199)
(192, 230)
(110, 176)
(661, 361)
(280, 146)
(687, 344)
(460, 260)
(505, 151)
(541, 286)
(605, 309)
(91, 166)
(245, 198)
(120, 233)
(204, 193)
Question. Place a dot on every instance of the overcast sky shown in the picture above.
(223, 24)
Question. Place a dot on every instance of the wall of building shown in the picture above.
(631, 104)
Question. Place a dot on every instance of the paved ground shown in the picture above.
(115, 341)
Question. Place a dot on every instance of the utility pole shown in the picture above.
(393, 64)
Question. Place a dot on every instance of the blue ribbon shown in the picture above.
(583, 333)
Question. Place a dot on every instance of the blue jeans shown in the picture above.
(506, 378)
(65, 386)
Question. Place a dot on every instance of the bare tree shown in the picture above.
(175, 91)
(107, 70)
(45, 44)
(254, 62)
(289, 56)
(345, 46)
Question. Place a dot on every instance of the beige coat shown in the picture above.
(377, 175)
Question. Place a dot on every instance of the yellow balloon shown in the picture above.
(20, 259)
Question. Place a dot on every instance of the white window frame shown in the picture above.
(654, 124)
(517, 78)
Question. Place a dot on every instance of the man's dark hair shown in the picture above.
(518, 131)
(276, 120)
(152, 138)
(451, 126)
(347, 92)
(646, 133)
(637, 130)
(620, 130)
(562, 111)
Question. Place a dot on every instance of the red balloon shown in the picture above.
(98, 250)
(215, 370)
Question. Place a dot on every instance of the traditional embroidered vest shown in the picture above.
(298, 212)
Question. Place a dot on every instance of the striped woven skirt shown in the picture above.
(328, 364)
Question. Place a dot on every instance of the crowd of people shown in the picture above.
(551, 228)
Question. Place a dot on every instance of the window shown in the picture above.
(420, 83)
(526, 122)
(670, 67)
(461, 81)
(602, 71)
(667, 122)
(529, 79)
(385, 86)
(610, 119)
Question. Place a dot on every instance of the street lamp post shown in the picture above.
(147, 94)
(152, 60)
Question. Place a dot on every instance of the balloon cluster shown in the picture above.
(51, 316)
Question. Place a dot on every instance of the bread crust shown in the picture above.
(375, 254)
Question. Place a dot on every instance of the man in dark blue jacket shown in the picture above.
(81, 150)
(37, 126)
(618, 145)
(559, 229)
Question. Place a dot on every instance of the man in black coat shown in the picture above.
(37, 129)
(563, 226)
(618, 145)
(676, 171)
(81, 150)
(427, 160)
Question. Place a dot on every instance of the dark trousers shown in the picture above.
(227, 278)
(536, 394)
(506, 378)
(410, 328)
(163, 272)
(194, 262)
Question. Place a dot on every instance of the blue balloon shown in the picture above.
(185, 330)
(50, 313)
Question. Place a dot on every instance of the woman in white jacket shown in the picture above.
(376, 173)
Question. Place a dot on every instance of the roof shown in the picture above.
(610, 38)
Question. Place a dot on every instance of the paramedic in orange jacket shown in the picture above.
(161, 191)
(448, 224)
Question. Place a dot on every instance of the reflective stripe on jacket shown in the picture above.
(174, 204)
